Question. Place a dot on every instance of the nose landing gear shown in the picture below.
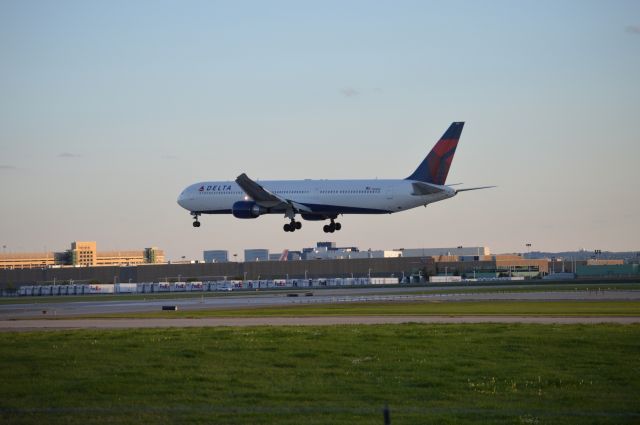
(195, 215)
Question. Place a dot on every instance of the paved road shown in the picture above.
(328, 296)
(30, 325)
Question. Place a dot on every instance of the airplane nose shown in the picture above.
(181, 200)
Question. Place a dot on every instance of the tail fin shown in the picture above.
(435, 167)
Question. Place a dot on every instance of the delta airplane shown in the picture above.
(319, 200)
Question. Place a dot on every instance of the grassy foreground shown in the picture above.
(500, 374)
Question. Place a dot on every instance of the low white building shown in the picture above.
(435, 252)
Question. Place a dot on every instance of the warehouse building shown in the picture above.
(216, 256)
(570, 265)
(436, 252)
(491, 266)
(258, 254)
(328, 250)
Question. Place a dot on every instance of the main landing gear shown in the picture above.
(332, 227)
(195, 215)
(293, 226)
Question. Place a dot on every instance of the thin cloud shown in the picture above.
(633, 29)
(169, 157)
(68, 155)
(7, 167)
(349, 92)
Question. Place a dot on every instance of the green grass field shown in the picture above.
(418, 308)
(451, 374)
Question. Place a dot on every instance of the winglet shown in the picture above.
(435, 167)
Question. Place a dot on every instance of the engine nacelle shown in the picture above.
(247, 209)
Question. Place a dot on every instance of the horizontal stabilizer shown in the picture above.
(474, 188)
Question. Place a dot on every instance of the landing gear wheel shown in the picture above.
(195, 215)
(338, 226)
(293, 226)
(331, 227)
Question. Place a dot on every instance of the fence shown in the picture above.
(207, 286)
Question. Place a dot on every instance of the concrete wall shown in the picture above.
(608, 270)
(377, 267)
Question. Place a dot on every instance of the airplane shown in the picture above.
(320, 200)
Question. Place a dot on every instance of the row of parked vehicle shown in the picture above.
(199, 286)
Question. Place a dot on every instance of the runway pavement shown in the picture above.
(64, 309)
(31, 325)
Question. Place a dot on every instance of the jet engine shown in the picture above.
(247, 209)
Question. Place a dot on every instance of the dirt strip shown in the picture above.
(29, 325)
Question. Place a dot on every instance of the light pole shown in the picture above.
(305, 275)
(369, 273)
(245, 275)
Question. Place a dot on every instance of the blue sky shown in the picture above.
(108, 109)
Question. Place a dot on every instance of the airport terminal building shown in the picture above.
(81, 254)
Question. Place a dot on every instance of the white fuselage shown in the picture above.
(322, 197)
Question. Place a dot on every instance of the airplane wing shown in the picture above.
(266, 199)
(474, 188)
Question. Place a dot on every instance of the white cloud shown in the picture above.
(349, 92)
(633, 29)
